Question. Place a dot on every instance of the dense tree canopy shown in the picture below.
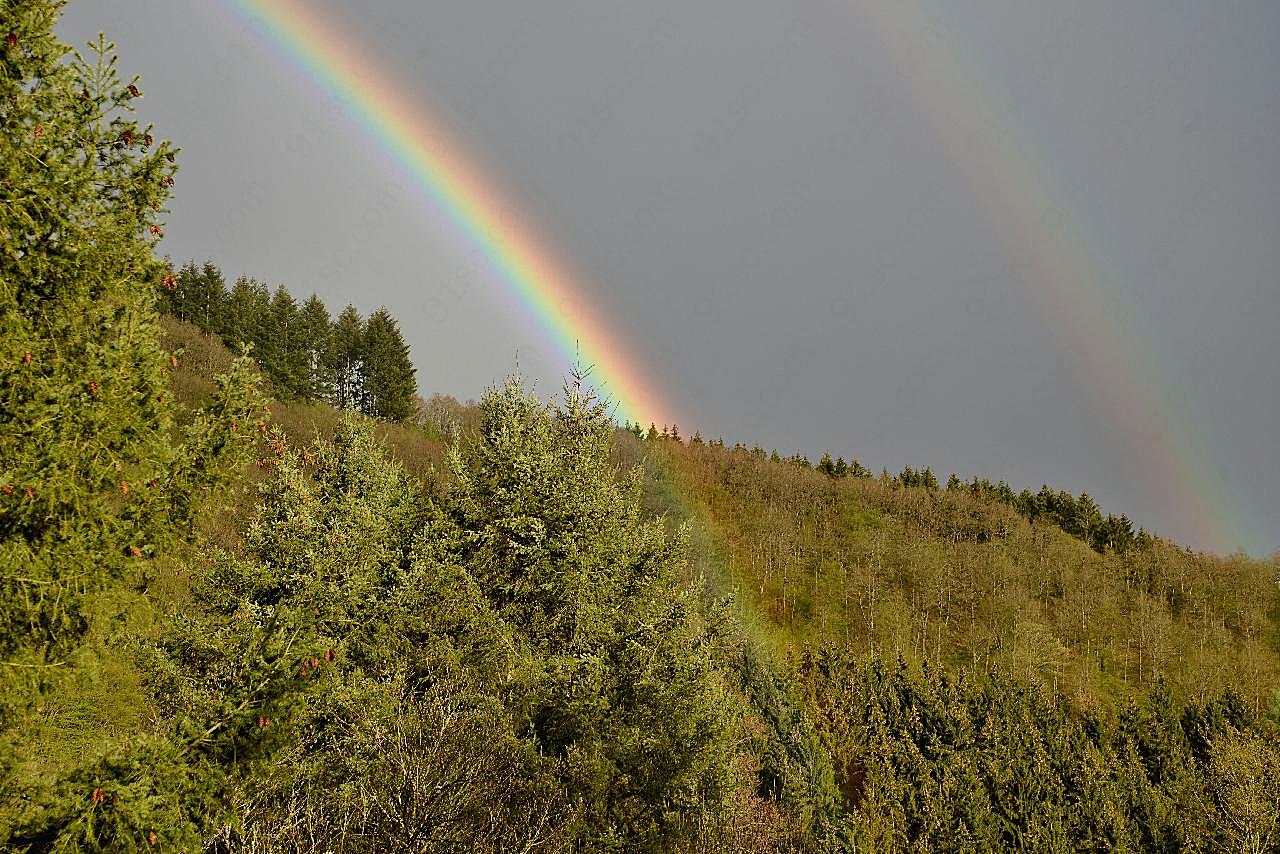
(351, 362)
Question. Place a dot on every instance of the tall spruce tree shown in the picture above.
(388, 372)
(195, 295)
(283, 353)
(244, 313)
(623, 689)
(315, 331)
(344, 363)
(97, 482)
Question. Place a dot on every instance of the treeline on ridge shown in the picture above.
(348, 361)
(1079, 516)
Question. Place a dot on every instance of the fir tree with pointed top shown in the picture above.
(98, 481)
(388, 372)
(344, 362)
(315, 330)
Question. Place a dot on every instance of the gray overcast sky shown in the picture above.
(762, 195)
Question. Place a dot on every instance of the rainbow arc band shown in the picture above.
(1077, 289)
(438, 168)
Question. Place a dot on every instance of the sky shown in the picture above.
(1035, 242)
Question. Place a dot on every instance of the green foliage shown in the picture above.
(389, 385)
(515, 664)
(928, 762)
(869, 564)
(622, 688)
(517, 653)
(351, 362)
(99, 483)
(92, 484)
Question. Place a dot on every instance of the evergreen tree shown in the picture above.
(825, 465)
(282, 352)
(344, 363)
(97, 482)
(243, 319)
(315, 331)
(388, 372)
(207, 302)
(622, 689)
(175, 297)
(196, 295)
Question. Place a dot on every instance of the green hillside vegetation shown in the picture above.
(237, 623)
(349, 361)
(878, 566)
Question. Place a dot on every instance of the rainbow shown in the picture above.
(1072, 279)
(418, 143)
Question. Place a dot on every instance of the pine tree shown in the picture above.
(96, 480)
(175, 298)
(315, 331)
(623, 689)
(825, 465)
(344, 363)
(282, 352)
(388, 372)
(244, 314)
(196, 295)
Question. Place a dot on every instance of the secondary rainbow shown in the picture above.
(419, 144)
(1072, 278)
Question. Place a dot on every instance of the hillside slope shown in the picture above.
(871, 565)
(894, 664)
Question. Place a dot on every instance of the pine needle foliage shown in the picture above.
(98, 482)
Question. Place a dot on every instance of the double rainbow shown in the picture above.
(1074, 285)
(438, 168)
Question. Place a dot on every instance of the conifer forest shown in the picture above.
(260, 594)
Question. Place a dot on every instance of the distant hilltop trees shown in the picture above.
(349, 361)
(1078, 516)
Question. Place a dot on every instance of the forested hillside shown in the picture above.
(349, 361)
(242, 613)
